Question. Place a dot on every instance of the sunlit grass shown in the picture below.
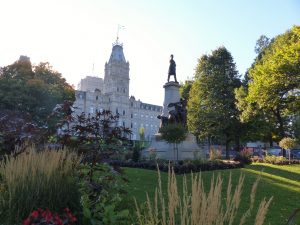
(281, 182)
(278, 180)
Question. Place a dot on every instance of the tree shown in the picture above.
(288, 143)
(275, 81)
(212, 112)
(33, 89)
(256, 124)
(185, 89)
(173, 133)
(28, 94)
(261, 44)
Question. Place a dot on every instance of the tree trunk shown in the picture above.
(280, 121)
(227, 146)
(237, 143)
(270, 140)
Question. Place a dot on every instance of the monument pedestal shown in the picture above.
(171, 95)
(188, 149)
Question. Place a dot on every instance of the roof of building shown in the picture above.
(117, 53)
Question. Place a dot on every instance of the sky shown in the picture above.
(76, 36)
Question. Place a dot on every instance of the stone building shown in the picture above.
(112, 93)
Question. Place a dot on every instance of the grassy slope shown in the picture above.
(281, 182)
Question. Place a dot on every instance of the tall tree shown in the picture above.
(185, 89)
(275, 80)
(212, 112)
(33, 89)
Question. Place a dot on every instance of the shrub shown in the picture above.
(102, 195)
(136, 155)
(34, 179)
(196, 207)
(275, 159)
(181, 167)
(46, 217)
(244, 156)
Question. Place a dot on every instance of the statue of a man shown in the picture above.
(172, 69)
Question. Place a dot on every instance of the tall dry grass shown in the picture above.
(34, 179)
(197, 207)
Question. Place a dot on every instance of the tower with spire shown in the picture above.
(113, 95)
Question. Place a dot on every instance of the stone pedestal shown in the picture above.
(188, 149)
(171, 96)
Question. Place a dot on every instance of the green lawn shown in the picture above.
(281, 182)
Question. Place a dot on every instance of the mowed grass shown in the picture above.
(281, 182)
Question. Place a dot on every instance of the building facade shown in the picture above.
(112, 94)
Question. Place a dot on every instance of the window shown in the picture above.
(123, 124)
(131, 125)
(131, 116)
(117, 89)
(97, 97)
(117, 111)
(131, 104)
(123, 112)
(124, 90)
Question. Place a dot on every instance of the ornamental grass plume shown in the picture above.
(32, 179)
(197, 207)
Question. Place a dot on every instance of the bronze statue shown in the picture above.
(172, 69)
(177, 115)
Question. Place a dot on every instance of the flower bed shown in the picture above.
(180, 167)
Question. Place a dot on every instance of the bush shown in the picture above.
(102, 195)
(136, 155)
(244, 156)
(34, 180)
(275, 159)
(181, 167)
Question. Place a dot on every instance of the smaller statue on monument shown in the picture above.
(172, 69)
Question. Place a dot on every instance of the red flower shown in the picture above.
(26, 222)
(34, 214)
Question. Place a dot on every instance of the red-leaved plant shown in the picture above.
(46, 217)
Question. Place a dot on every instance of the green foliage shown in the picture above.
(275, 80)
(34, 180)
(173, 133)
(211, 107)
(261, 44)
(102, 192)
(185, 88)
(142, 133)
(273, 159)
(256, 124)
(136, 155)
(33, 89)
(244, 156)
(96, 135)
(287, 143)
